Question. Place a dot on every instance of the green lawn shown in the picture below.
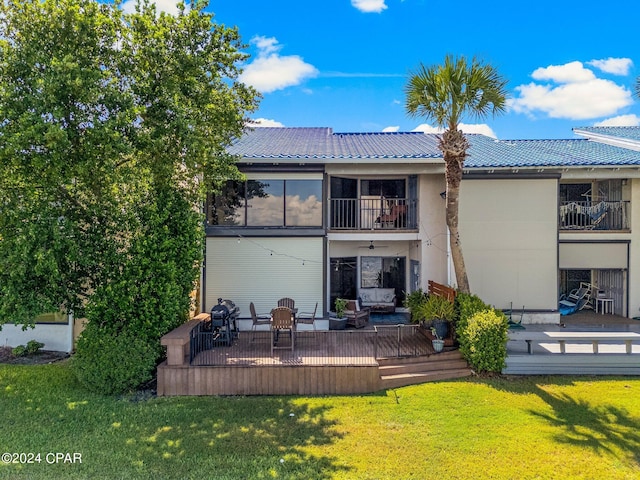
(513, 428)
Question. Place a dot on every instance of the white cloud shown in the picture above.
(270, 71)
(168, 6)
(571, 91)
(369, 6)
(265, 122)
(480, 128)
(620, 121)
(573, 72)
(426, 128)
(391, 129)
(615, 66)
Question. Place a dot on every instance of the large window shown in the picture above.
(303, 203)
(267, 203)
(387, 272)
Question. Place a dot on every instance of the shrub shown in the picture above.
(31, 348)
(19, 351)
(467, 305)
(113, 362)
(483, 341)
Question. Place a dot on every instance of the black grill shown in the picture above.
(223, 323)
(220, 330)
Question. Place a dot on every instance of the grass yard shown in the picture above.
(500, 428)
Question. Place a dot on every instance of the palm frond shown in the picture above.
(449, 92)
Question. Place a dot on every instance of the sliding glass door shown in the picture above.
(343, 279)
(385, 272)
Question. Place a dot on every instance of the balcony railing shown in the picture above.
(373, 213)
(594, 215)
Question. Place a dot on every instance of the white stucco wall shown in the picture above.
(55, 336)
(634, 250)
(509, 238)
(433, 230)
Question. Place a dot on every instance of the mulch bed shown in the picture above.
(40, 358)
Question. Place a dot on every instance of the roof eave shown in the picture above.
(614, 141)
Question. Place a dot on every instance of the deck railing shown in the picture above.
(355, 347)
(594, 215)
(373, 213)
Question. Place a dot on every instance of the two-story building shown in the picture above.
(322, 215)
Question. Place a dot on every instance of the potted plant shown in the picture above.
(340, 321)
(439, 311)
(413, 301)
(437, 342)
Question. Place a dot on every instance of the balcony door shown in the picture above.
(344, 196)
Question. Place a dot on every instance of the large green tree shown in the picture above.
(111, 127)
(447, 94)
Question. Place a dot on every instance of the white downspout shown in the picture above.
(70, 320)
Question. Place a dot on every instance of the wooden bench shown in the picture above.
(177, 340)
(575, 337)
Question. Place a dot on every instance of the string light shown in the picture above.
(273, 252)
(429, 241)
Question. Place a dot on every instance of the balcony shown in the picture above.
(375, 213)
(589, 215)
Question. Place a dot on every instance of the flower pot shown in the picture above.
(337, 323)
(442, 327)
(438, 345)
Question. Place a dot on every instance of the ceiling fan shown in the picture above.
(371, 246)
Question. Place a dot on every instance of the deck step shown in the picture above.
(422, 367)
(405, 379)
(572, 364)
(400, 372)
(446, 355)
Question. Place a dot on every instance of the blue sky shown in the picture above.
(344, 63)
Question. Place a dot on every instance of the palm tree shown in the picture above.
(446, 94)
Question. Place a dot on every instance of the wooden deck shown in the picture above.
(322, 362)
(584, 343)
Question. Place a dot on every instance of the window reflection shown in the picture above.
(304, 203)
(267, 203)
(228, 205)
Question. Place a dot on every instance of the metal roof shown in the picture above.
(323, 143)
(627, 133)
(485, 152)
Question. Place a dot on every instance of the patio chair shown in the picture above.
(514, 324)
(356, 317)
(596, 215)
(576, 300)
(396, 216)
(307, 318)
(282, 320)
(287, 302)
(258, 319)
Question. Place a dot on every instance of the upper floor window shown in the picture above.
(267, 203)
